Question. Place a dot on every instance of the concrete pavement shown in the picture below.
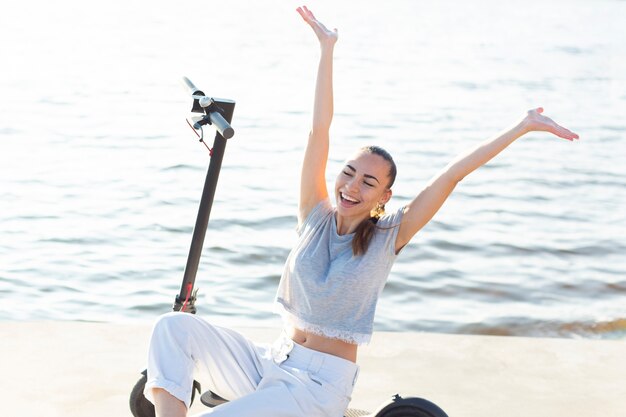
(73, 369)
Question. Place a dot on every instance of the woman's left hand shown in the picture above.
(536, 122)
(325, 36)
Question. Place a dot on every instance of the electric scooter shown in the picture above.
(219, 113)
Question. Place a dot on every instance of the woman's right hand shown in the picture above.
(325, 36)
(537, 122)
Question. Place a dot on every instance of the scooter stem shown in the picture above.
(222, 110)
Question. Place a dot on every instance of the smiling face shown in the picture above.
(362, 184)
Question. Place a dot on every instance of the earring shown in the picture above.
(380, 210)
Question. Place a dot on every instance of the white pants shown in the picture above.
(260, 380)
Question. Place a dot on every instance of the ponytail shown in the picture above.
(365, 231)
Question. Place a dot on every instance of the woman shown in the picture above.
(330, 284)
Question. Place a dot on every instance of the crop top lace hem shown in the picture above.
(343, 335)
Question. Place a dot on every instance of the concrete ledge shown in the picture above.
(87, 369)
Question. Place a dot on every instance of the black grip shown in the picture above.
(222, 126)
(191, 88)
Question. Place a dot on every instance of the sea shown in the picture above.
(101, 176)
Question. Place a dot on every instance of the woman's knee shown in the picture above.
(174, 322)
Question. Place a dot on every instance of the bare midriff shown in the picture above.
(334, 347)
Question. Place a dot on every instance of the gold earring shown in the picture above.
(380, 210)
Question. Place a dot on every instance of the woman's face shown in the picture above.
(362, 185)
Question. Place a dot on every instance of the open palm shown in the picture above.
(535, 121)
(323, 34)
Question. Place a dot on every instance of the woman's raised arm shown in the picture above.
(313, 177)
(419, 212)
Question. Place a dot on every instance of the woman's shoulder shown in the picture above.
(316, 215)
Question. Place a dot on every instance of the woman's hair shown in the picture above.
(365, 230)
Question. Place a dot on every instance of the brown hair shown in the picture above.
(365, 230)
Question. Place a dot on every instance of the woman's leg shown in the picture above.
(300, 382)
(166, 405)
(286, 381)
(184, 346)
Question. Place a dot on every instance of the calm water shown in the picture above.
(100, 176)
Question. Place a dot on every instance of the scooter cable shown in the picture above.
(189, 289)
(201, 138)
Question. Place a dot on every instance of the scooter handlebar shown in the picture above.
(222, 126)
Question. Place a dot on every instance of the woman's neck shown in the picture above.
(347, 225)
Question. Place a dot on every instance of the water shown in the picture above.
(100, 176)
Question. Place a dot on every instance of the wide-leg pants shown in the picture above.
(283, 379)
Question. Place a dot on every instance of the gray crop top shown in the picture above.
(324, 288)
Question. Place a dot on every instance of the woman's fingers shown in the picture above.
(318, 27)
(564, 133)
(306, 14)
(309, 13)
(539, 122)
(303, 13)
(567, 134)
